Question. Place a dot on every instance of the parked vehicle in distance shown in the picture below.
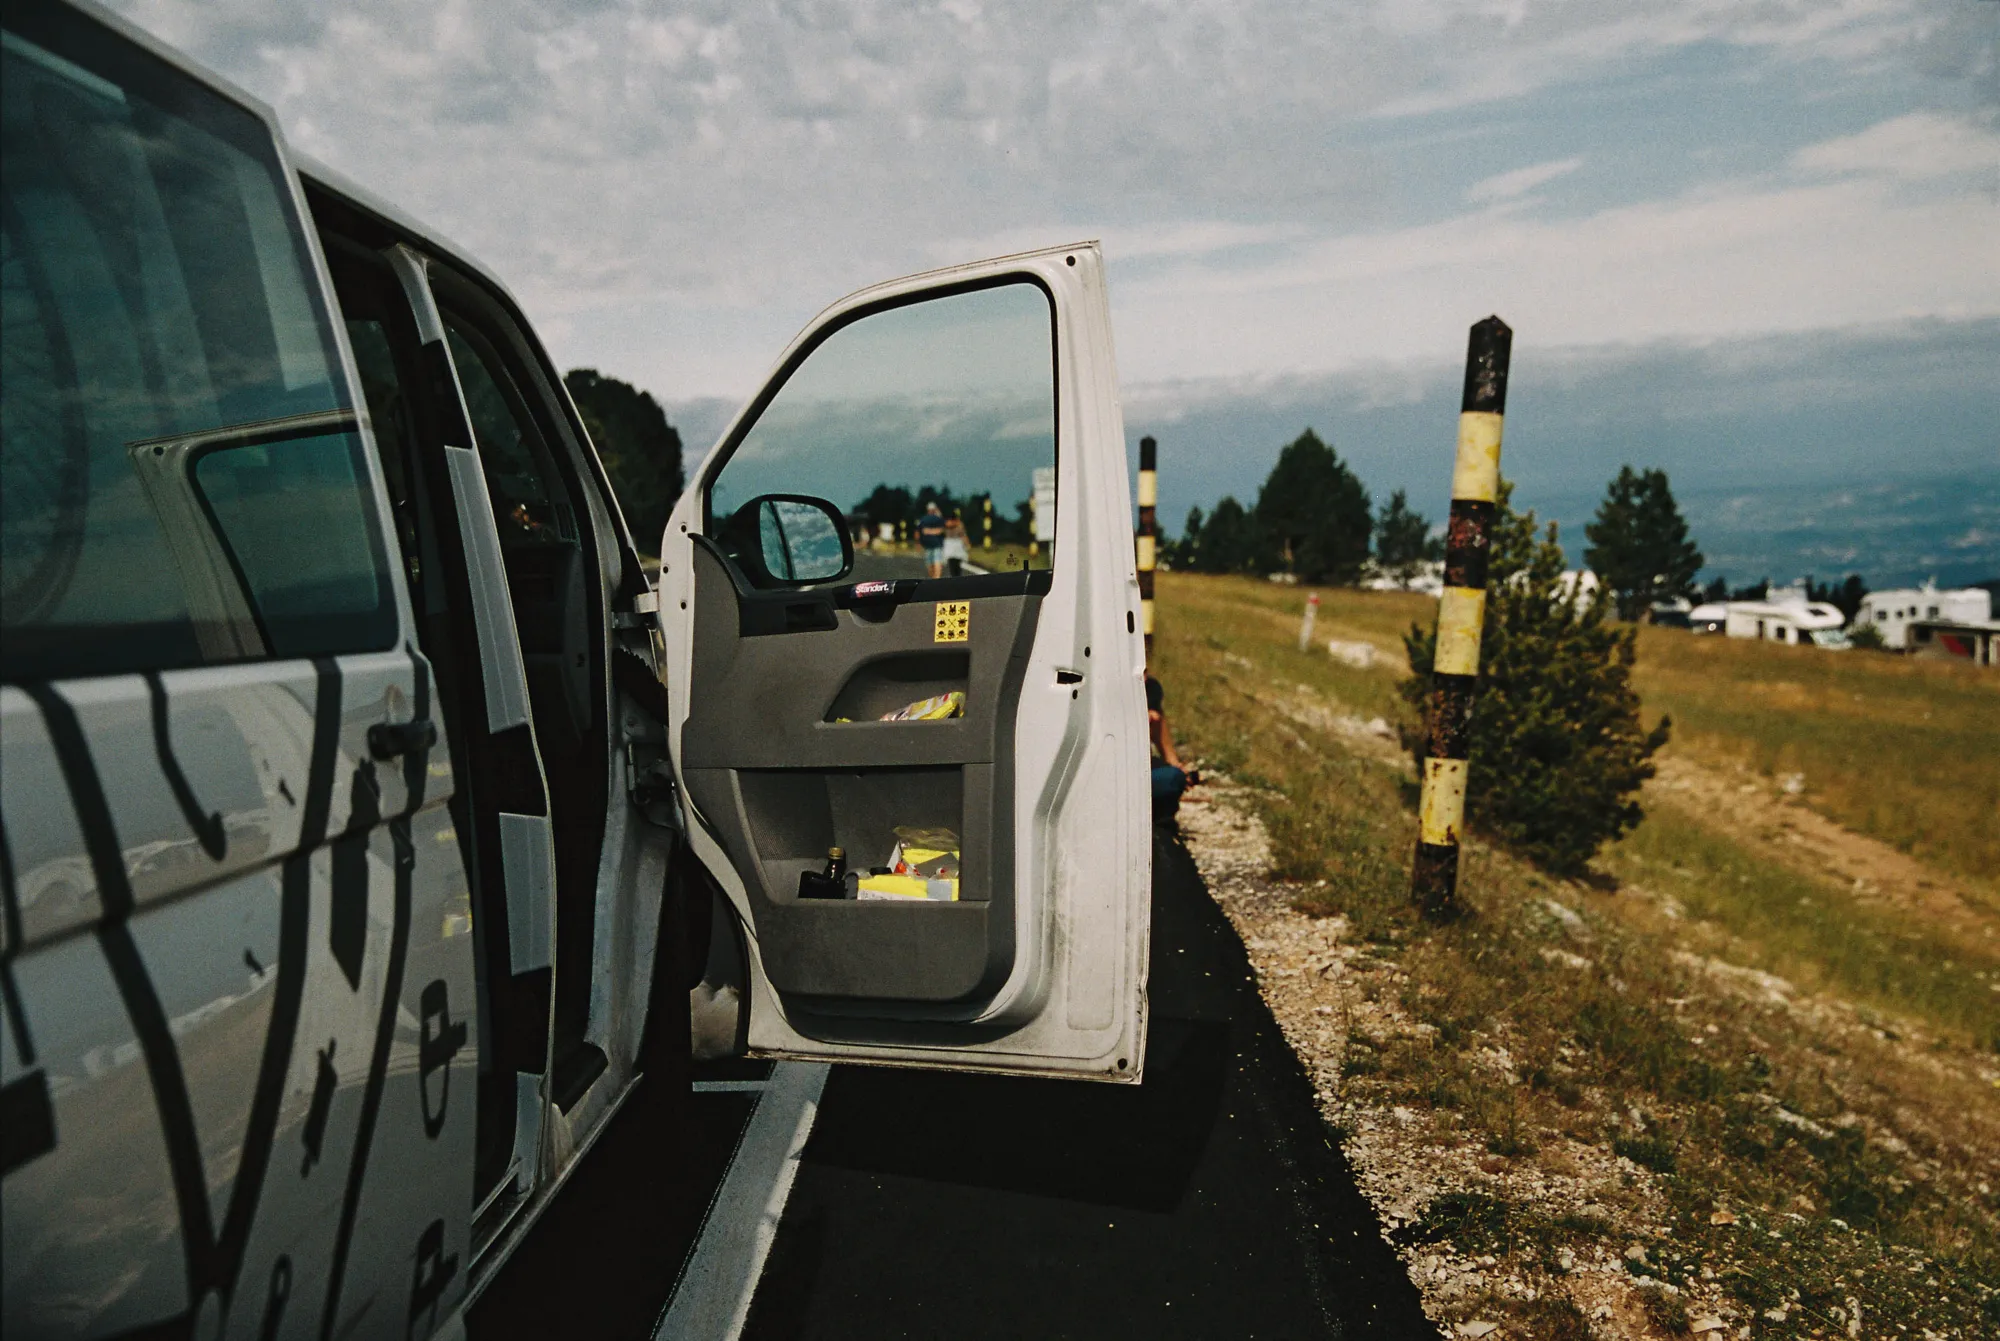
(1974, 640)
(1892, 613)
(1786, 616)
(1783, 616)
(355, 781)
(1677, 613)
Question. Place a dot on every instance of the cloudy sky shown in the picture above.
(1755, 243)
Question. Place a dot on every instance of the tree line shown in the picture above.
(1312, 519)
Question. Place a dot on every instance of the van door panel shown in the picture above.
(1038, 966)
(769, 763)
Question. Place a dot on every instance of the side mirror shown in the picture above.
(790, 540)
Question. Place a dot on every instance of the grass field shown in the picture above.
(1885, 1147)
(1907, 751)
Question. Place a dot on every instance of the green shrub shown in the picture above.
(1556, 745)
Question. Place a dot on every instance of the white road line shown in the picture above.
(731, 1086)
(711, 1301)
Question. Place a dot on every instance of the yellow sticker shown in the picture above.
(954, 622)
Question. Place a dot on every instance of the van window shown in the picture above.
(922, 422)
(174, 421)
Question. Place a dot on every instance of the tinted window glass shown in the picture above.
(911, 420)
(174, 423)
(519, 474)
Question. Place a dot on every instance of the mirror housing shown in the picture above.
(789, 540)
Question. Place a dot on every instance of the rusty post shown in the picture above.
(1149, 531)
(1475, 485)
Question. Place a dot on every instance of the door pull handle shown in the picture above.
(386, 740)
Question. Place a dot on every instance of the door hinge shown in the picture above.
(645, 609)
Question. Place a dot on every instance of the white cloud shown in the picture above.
(1915, 147)
(1190, 238)
(1739, 260)
(1510, 185)
(671, 190)
(1488, 53)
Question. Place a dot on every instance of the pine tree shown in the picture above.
(1403, 539)
(1180, 553)
(640, 450)
(1228, 541)
(1313, 514)
(1844, 596)
(1639, 545)
(1557, 749)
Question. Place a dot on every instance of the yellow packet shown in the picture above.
(886, 887)
(936, 708)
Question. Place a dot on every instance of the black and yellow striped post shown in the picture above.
(1149, 532)
(1475, 484)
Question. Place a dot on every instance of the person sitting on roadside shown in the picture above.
(1171, 776)
(930, 534)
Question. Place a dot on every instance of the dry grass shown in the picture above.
(1846, 1116)
(1901, 749)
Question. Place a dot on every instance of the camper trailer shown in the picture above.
(1709, 617)
(1892, 612)
(1786, 616)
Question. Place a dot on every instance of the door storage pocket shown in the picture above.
(793, 818)
(881, 688)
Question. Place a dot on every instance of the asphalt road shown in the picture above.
(1207, 1202)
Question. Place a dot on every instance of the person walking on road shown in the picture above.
(930, 534)
(955, 548)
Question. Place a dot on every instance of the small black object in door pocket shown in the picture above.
(1069, 677)
(830, 883)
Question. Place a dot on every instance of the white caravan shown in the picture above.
(1786, 616)
(1892, 612)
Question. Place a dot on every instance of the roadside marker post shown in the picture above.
(1306, 623)
(1148, 540)
(1475, 485)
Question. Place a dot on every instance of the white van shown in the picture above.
(357, 786)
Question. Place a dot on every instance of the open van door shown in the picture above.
(906, 681)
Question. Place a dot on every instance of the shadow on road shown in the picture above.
(1211, 1201)
(1115, 1145)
